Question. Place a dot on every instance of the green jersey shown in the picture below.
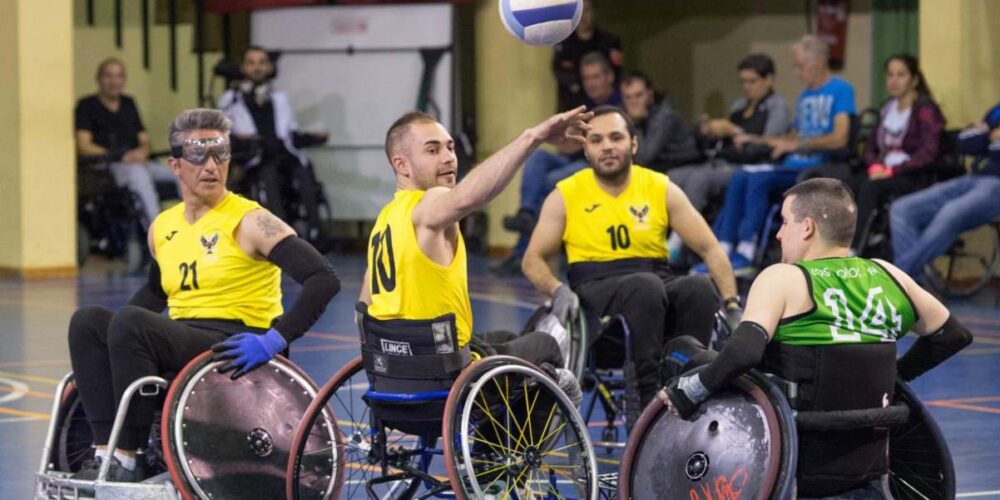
(855, 301)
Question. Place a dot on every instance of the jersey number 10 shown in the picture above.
(619, 236)
(382, 277)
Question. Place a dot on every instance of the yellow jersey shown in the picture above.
(405, 283)
(204, 272)
(603, 228)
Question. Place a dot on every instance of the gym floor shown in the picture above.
(964, 393)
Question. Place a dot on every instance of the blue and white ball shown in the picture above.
(541, 22)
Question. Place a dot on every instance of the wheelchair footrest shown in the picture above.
(56, 485)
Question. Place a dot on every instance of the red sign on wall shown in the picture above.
(831, 23)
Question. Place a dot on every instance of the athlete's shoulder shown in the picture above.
(578, 179)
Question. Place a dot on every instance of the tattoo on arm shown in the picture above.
(269, 224)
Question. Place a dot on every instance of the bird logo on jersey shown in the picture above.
(209, 243)
(640, 214)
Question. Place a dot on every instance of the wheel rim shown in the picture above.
(233, 441)
(517, 457)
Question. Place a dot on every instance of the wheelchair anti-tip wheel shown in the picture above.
(231, 439)
(740, 443)
(334, 453)
(509, 431)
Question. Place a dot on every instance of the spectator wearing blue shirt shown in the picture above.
(822, 124)
(926, 223)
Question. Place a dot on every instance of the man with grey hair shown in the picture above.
(822, 124)
(828, 323)
(109, 129)
(217, 264)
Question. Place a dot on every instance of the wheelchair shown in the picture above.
(506, 429)
(247, 181)
(108, 217)
(963, 271)
(202, 445)
(743, 443)
(608, 377)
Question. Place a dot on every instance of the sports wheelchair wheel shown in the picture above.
(741, 443)
(509, 430)
(962, 272)
(920, 465)
(231, 439)
(74, 439)
(334, 453)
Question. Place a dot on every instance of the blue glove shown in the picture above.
(248, 351)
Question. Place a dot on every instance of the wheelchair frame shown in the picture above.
(379, 455)
(57, 485)
(177, 481)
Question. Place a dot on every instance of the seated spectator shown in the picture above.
(543, 169)
(108, 127)
(822, 124)
(665, 140)
(760, 112)
(262, 114)
(568, 54)
(902, 147)
(924, 224)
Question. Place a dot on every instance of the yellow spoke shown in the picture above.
(493, 420)
(504, 396)
(548, 421)
(497, 448)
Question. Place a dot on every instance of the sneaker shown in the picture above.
(116, 472)
(570, 385)
(521, 222)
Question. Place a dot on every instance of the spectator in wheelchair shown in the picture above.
(924, 224)
(109, 130)
(905, 144)
(417, 268)
(828, 323)
(543, 169)
(613, 219)
(665, 140)
(822, 124)
(264, 121)
(217, 266)
(760, 112)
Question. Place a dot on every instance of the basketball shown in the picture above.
(540, 22)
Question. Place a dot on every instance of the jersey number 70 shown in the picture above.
(381, 277)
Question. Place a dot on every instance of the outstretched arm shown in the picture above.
(441, 208)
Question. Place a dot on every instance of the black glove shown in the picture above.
(565, 304)
(678, 399)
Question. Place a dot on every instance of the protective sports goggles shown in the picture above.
(197, 151)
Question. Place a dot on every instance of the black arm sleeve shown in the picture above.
(151, 295)
(319, 284)
(743, 351)
(930, 350)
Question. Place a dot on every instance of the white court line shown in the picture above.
(979, 494)
(17, 419)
